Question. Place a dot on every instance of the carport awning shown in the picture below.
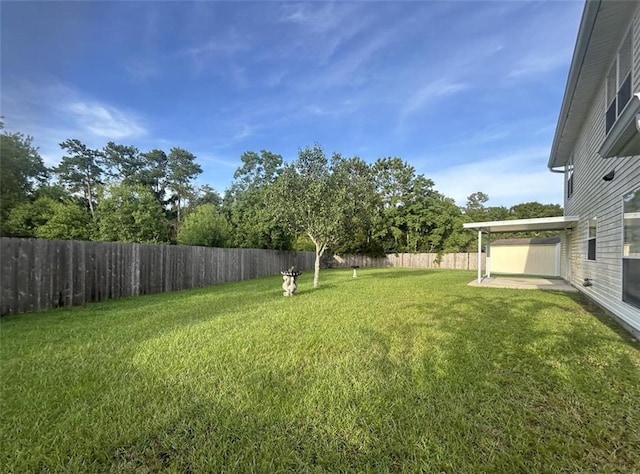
(525, 225)
(519, 225)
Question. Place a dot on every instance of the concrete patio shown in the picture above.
(524, 283)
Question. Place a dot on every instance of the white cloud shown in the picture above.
(489, 134)
(428, 94)
(539, 64)
(345, 71)
(244, 132)
(106, 121)
(544, 42)
(508, 180)
(335, 109)
(432, 91)
(317, 17)
(206, 54)
(324, 28)
(209, 158)
(54, 111)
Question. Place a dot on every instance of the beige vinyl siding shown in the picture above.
(526, 259)
(594, 197)
(565, 262)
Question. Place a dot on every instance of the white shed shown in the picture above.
(536, 256)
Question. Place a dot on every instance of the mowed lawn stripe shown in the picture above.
(396, 370)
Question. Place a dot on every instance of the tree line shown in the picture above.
(315, 202)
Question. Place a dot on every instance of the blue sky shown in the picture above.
(466, 92)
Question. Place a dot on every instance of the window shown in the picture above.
(631, 249)
(591, 242)
(570, 178)
(619, 83)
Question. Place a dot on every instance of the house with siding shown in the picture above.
(597, 148)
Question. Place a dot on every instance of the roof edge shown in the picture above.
(524, 225)
(587, 23)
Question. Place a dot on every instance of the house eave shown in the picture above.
(601, 30)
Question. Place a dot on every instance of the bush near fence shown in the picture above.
(37, 274)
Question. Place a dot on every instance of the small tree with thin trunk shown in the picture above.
(312, 196)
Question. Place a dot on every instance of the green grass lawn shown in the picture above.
(397, 370)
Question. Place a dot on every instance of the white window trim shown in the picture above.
(594, 238)
(630, 257)
(570, 179)
(616, 64)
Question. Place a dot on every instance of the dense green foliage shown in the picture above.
(22, 169)
(253, 222)
(393, 371)
(319, 198)
(413, 216)
(67, 221)
(205, 227)
(315, 202)
(130, 213)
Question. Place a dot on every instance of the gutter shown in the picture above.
(587, 24)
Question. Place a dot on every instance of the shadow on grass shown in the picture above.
(466, 381)
(492, 384)
(500, 383)
(605, 318)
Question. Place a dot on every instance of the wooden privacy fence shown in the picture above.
(453, 261)
(39, 274)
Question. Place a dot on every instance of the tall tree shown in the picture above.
(475, 208)
(123, 164)
(130, 214)
(205, 194)
(245, 203)
(361, 209)
(21, 171)
(311, 197)
(182, 170)
(436, 224)
(257, 170)
(533, 210)
(81, 171)
(403, 195)
(154, 174)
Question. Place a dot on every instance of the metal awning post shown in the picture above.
(488, 264)
(479, 256)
